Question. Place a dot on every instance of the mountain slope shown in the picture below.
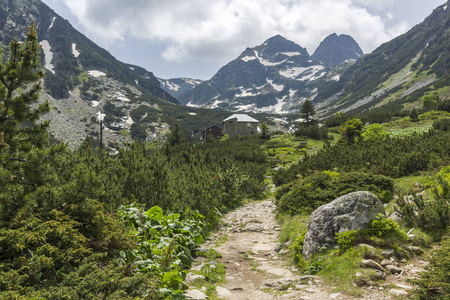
(81, 77)
(334, 49)
(276, 77)
(405, 67)
(177, 86)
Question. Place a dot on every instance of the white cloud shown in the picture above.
(377, 4)
(221, 29)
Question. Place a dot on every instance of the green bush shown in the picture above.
(430, 214)
(313, 132)
(442, 124)
(435, 282)
(394, 157)
(381, 232)
(305, 195)
(297, 247)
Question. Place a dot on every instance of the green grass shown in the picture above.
(405, 185)
(287, 149)
(83, 77)
(340, 271)
(291, 226)
(222, 239)
(409, 131)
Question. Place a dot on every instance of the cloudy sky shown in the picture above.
(181, 38)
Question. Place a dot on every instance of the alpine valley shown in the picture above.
(274, 77)
(84, 83)
(279, 75)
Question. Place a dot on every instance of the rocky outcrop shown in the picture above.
(349, 212)
(336, 49)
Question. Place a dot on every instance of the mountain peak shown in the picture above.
(335, 49)
(276, 39)
(277, 44)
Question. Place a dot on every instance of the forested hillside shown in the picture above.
(83, 224)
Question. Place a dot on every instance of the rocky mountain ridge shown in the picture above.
(80, 77)
(334, 50)
(396, 75)
(275, 77)
(177, 86)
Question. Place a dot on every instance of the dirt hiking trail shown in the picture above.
(256, 264)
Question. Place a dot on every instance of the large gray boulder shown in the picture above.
(349, 212)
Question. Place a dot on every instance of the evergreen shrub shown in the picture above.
(307, 194)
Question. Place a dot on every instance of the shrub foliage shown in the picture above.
(305, 195)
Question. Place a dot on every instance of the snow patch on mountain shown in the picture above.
(268, 63)
(190, 104)
(128, 121)
(336, 78)
(121, 97)
(278, 87)
(248, 58)
(51, 24)
(48, 54)
(312, 73)
(276, 108)
(291, 53)
(171, 86)
(192, 81)
(245, 107)
(292, 92)
(292, 72)
(75, 52)
(96, 73)
(215, 104)
(244, 92)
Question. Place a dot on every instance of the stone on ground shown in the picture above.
(223, 292)
(195, 295)
(370, 263)
(349, 212)
(398, 293)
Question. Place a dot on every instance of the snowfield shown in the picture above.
(48, 54)
(75, 52)
(96, 73)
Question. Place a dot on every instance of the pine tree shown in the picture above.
(264, 131)
(307, 112)
(18, 111)
(352, 130)
(22, 141)
(414, 115)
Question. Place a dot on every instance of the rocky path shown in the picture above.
(255, 261)
(256, 264)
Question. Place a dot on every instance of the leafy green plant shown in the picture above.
(214, 272)
(381, 231)
(165, 243)
(345, 240)
(430, 214)
(297, 247)
(314, 265)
